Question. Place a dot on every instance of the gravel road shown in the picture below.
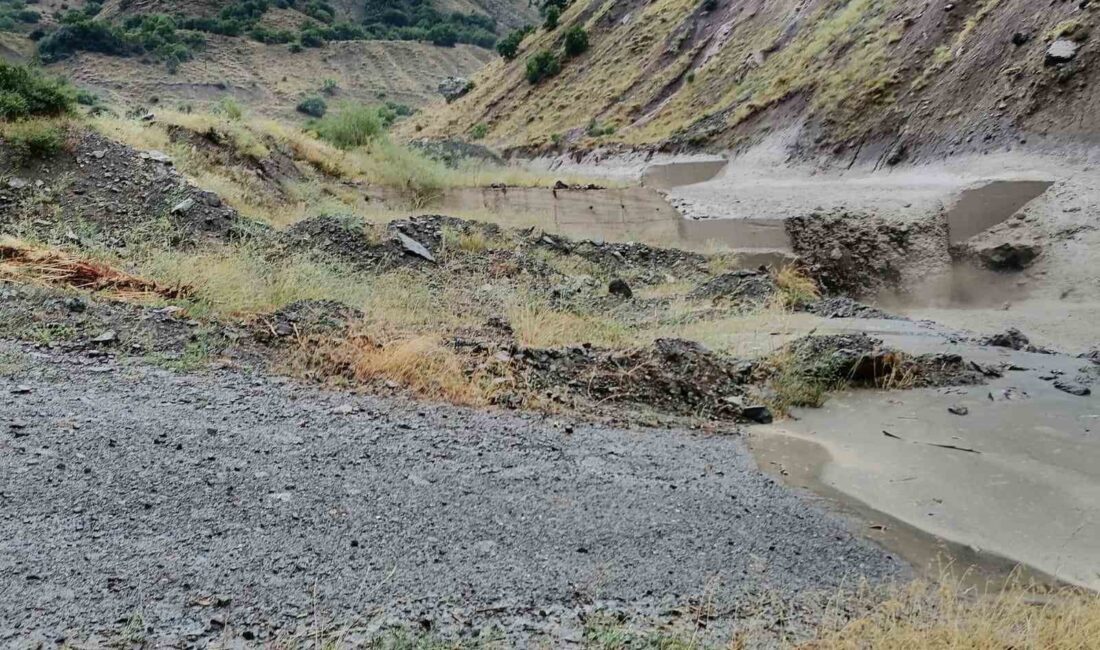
(233, 504)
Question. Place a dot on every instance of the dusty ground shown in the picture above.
(254, 504)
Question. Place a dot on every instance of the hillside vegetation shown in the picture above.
(690, 73)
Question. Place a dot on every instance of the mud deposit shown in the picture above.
(979, 209)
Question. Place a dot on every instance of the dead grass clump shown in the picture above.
(796, 288)
(791, 387)
(238, 280)
(538, 325)
(21, 260)
(421, 364)
(946, 617)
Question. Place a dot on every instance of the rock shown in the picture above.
(759, 414)
(183, 206)
(1061, 51)
(454, 87)
(106, 337)
(76, 304)
(156, 156)
(1072, 388)
(414, 247)
(17, 183)
(844, 307)
(619, 287)
(958, 410)
(561, 185)
(1015, 256)
(1020, 38)
(1010, 338)
(20, 390)
(1092, 355)
(896, 155)
(99, 153)
(744, 286)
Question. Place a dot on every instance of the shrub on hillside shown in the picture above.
(313, 106)
(508, 47)
(576, 41)
(550, 23)
(33, 139)
(25, 92)
(354, 126)
(542, 66)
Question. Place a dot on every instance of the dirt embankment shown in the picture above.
(873, 81)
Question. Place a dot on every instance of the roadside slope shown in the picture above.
(865, 77)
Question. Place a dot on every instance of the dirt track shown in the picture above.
(130, 490)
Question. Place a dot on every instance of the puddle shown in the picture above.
(669, 175)
(800, 463)
(979, 209)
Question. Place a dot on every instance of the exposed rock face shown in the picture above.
(453, 88)
(1014, 256)
(1061, 51)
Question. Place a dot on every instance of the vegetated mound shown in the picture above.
(124, 195)
(862, 361)
(271, 80)
(864, 78)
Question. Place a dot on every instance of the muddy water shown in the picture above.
(804, 464)
(621, 214)
(979, 209)
(1017, 482)
(669, 175)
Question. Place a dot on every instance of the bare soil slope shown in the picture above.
(272, 80)
(876, 78)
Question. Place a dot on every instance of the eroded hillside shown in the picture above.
(876, 76)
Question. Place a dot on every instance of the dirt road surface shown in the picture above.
(226, 504)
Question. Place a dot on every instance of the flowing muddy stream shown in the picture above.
(1022, 488)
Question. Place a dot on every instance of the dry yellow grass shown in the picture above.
(421, 364)
(333, 180)
(237, 280)
(923, 616)
(538, 325)
(796, 287)
(27, 263)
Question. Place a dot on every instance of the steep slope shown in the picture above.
(271, 80)
(899, 74)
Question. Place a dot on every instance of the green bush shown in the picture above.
(33, 139)
(26, 92)
(508, 47)
(354, 126)
(596, 130)
(313, 106)
(329, 87)
(157, 35)
(479, 131)
(576, 42)
(86, 97)
(553, 14)
(230, 108)
(542, 66)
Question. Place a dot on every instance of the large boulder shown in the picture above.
(1061, 51)
(454, 87)
(1009, 256)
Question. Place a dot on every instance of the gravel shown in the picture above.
(228, 504)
